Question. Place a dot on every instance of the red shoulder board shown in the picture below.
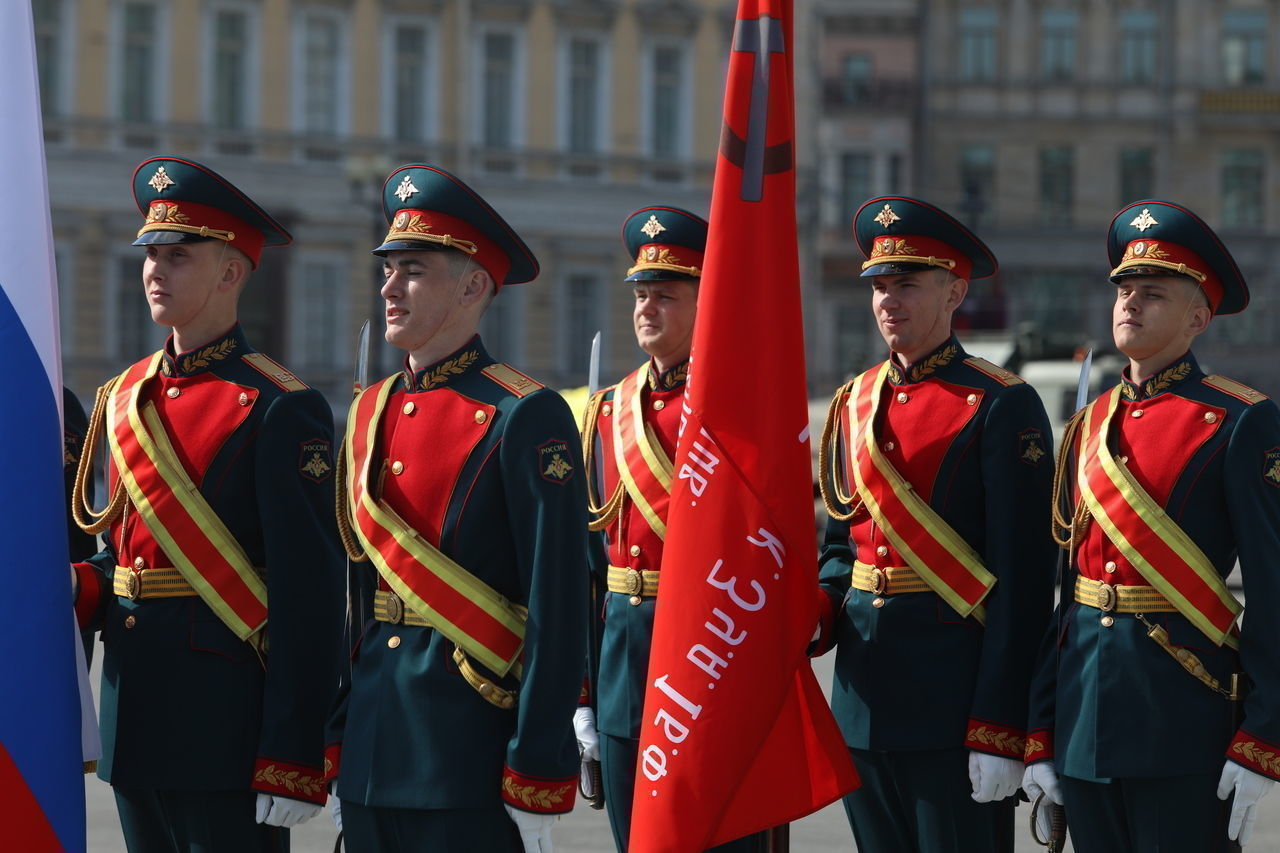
(275, 372)
(995, 371)
(511, 379)
(1236, 389)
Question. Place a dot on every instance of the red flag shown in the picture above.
(736, 735)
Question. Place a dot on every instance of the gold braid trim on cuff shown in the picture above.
(343, 510)
(602, 514)
(833, 491)
(1066, 533)
(86, 518)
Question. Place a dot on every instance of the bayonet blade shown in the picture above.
(593, 371)
(1082, 388)
(364, 348)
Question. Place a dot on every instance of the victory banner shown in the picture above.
(736, 735)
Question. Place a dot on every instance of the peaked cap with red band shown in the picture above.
(900, 235)
(1154, 237)
(186, 202)
(429, 209)
(667, 244)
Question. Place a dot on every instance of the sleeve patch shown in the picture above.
(1031, 447)
(315, 459)
(554, 462)
(1271, 466)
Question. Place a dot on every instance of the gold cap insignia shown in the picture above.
(160, 181)
(887, 217)
(1144, 220)
(405, 190)
(651, 253)
(653, 227)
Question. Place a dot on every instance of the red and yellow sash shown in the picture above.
(1149, 539)
(455, 602)
(643, 466)
(191, 534)
(937, 553)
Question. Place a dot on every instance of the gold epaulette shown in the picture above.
(995, 371)
(511, 379)
(1236, 389)
(275, 372)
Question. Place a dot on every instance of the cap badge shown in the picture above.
(405, 190)
(651, 253)
(160, 181)
(653, 227)
(887, 217)
(1144, 249)
(1144, 220)
(166, 212)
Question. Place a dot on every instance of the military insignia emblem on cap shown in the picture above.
(887, 217)
(406, 189)
(160, 181)
(1144, 220)
(652, 228)
(553, 462)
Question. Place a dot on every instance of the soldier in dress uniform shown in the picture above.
(80, 545)
(937, 564)
(1151, 696)
(629, 435)
(221, 483)
(464, 491)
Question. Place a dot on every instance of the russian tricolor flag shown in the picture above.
(41, 758)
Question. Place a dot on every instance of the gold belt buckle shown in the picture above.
(634, 582)
(395, 608)
(133, 585)
(1106, 597)
(879, 581)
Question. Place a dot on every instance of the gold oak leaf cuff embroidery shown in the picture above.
(293, 781)
(1034, 746)
(533, 797)
(453, 367)
(1003, 741)
(209, 354)
(1251, 752)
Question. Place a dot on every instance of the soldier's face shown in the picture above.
(420, 292)
(181, 280)
(1154, 315)
(663, 318)
(913, 310)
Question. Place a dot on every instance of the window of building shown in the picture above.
(1138, 46)
(51, 26)
(502, 328)
(139, 59)
(851, 336)
(408, 81)
(131, 332)
(498, 89)
(855, 184)
(667, 99)
(855, 79)
(1058, 44)
(1244, 47)
(1057, 178)
(66, 300)
(893, 185)
(978, 45)
(321, 76)
(583, 89)
(230, 77)
(1137, 174)
(1052, 300)
(977, 183)
(583, 295)
(318, 315)
(1242, 184)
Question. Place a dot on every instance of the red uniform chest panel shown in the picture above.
(631, 530)
(1156, 447)
(921, 422)
(199, 414)
(424, 442)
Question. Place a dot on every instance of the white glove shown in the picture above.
(584, 729)
(1249, 788)
(283, 811)
(993, 777)
(335, 805)
(535, 829)
(1040, 779)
